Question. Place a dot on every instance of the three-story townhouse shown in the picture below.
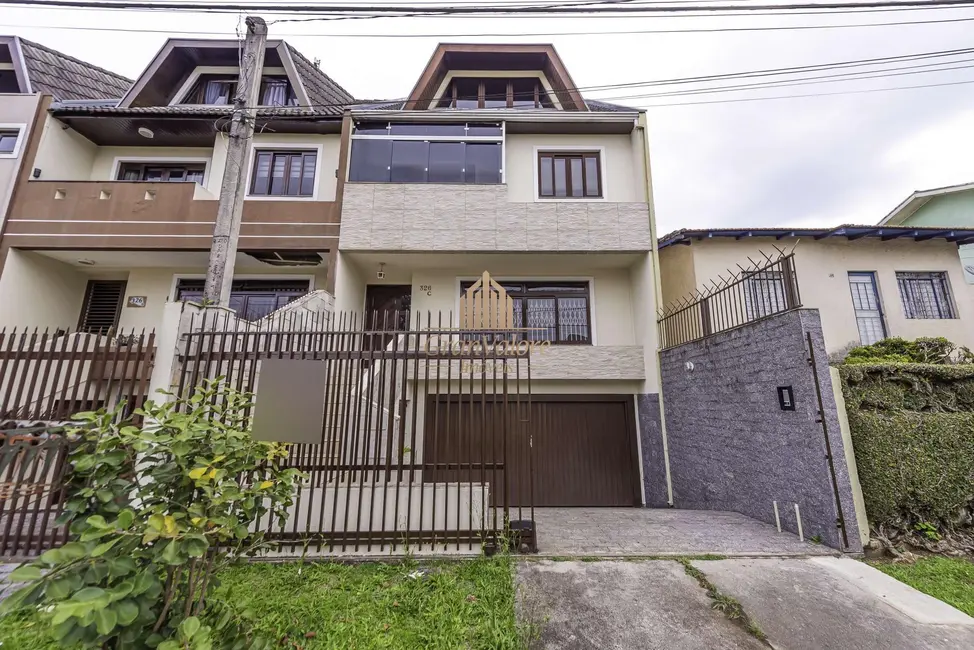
(116, 213)
(496, 163)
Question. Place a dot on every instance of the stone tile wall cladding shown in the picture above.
(413, 217)
(731, 447)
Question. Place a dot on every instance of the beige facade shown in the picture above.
(620, 330)
(823, 269)
(64, 155)
(46, 289)
(407, 217)
(16, 113)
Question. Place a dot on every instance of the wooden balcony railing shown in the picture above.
(127, 215)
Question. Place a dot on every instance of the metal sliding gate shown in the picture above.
(425, 444)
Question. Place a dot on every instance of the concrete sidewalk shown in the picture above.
(826, 603)
(821, 603)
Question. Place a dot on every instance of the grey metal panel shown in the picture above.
(290, 404)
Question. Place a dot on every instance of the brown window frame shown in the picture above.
(143, 167)
(288, 154)
(522, 290)
(569, 155)
(85, 317)
(451, 93)
(284, 291)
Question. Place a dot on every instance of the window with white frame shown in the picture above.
(869, 310)
(926, 295)
(10, 140)
(384, 152)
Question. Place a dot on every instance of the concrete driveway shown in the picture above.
(822, 603)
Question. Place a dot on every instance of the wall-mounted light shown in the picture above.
(36, 173)
(381, 273)
(146, 133)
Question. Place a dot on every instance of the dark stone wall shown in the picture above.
(731, 446)
(651, 441)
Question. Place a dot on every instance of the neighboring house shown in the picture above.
(496, 163)
(949, 207)
(868, 282)
(27, 71)
(114, 213)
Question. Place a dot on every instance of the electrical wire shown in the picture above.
(769, 28)
(619, 7)
(830, 94)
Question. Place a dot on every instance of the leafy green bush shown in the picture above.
(914, 467)
(913, 387)
(154, 512)
(912, 429)
(923, 350)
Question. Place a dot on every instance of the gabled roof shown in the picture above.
(849, 232)
(177, 58)
(486, 56)
(42, 69)
(917, 200)
(323, 91)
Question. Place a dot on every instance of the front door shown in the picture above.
(386, 312)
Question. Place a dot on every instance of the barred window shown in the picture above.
(764, 294)
(926, 295)
(558, 312)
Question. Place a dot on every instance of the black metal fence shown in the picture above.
(767, 287)
(425, 443)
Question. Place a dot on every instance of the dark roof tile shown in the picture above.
(66, 77)
(324, 93)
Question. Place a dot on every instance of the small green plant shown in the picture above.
(815, 539)
(928, 530)
(155, 512)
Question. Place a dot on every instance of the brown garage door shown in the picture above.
(584, 449)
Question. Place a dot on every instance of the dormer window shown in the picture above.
(221, 90)
(495, 92)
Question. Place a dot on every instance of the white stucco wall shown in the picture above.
(63, 154)
(36, 291)
(823, 268)
(16, 112)
(622, 165)
(327, 158)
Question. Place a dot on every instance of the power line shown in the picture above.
(842, 92)
(815, 67)
(503, 34)
(621, 7)
(808, 81)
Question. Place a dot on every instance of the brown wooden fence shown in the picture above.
(48, 375)
(390, 470)
(32, 472)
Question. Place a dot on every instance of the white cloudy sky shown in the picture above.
(810, 161)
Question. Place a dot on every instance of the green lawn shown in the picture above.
(948, 579)
(463, 604)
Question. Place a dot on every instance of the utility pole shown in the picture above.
(226, 232)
